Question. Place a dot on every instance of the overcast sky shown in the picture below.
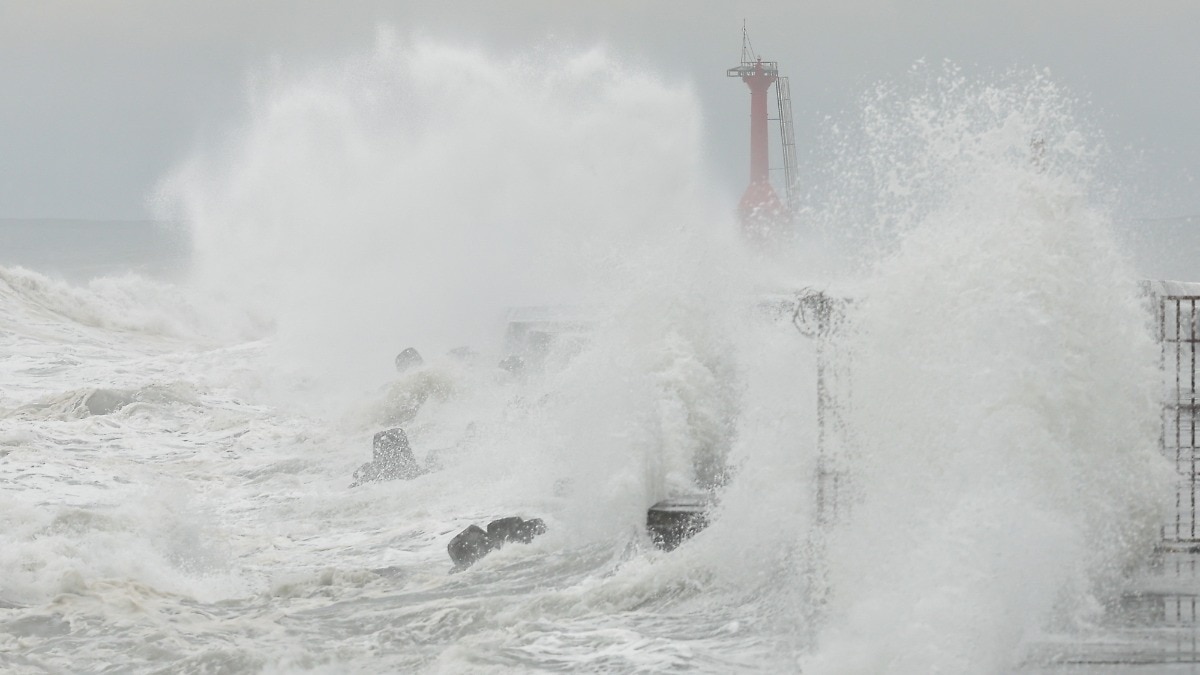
(101, 97)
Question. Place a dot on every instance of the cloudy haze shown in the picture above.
(102, 98)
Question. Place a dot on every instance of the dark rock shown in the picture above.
(513, 529)
(407, 359)
(504, 529)
(391, 447)
(533, 527)
(473, 543)
(469, 546)
(393, 459)
(671, 521)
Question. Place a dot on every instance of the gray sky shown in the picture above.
(102, 97)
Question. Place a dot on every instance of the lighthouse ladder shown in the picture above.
(783, 103)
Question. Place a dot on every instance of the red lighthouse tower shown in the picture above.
(760, 208)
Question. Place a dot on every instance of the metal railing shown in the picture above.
(1179, 334)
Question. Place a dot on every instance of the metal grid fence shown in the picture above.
(1177, 304)
(1179, 335)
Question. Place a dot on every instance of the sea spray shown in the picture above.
(1004, 375)
(1001, 408)
(407, 196)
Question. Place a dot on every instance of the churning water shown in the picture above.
(176, 457)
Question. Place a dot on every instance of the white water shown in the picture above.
(1004, 425)
(1002, 420)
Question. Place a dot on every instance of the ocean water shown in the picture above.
(80, 250)
(176, 449)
